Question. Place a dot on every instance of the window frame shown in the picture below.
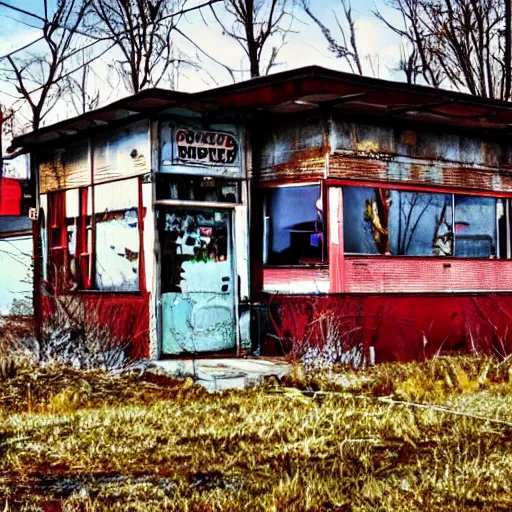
(85, 244)
(263, 188)
(506, 197)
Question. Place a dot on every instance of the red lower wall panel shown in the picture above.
(400, 328)
(383, 274)
(125, 316)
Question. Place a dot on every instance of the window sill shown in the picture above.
(294, 267)
(372, 257)
(100, 292)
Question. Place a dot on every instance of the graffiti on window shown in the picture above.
(197, 283)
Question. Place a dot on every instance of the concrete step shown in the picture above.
(226, 373)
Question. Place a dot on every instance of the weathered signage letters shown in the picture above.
(215, 148)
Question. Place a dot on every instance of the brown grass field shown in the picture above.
(344, 441)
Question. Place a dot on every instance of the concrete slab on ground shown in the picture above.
(224, 373)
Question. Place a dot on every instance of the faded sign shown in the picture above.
(206, 147)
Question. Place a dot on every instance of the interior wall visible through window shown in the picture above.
(294, 226)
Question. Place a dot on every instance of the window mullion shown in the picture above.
(453, 226)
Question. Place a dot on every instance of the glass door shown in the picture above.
(197, 284)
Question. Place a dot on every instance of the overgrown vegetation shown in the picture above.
(78, 440)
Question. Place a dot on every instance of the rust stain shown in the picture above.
(416, 173)
(464, 177)
(306, 162)
(379, 169)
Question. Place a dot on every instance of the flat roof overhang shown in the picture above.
(298, 90)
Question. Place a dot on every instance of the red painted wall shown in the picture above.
(10, 196)
(125, 316)
(400, 328)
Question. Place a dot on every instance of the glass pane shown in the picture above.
(16, 276)
(294, 225)
(117, 251)
(475, 227)
(116, 195)
(420, 224)
(382, 221)
(501, 208)
(362, 231)
(189, 238)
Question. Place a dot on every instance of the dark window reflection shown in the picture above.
(294, 226)
(197, 188)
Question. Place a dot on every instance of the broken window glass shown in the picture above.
(194, 237)
(294, 226)
(117, 235)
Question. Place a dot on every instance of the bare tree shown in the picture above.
(82, 87)
(36, 75)
(460, 43)
(252, 24)
(142, 31)
(346, 49)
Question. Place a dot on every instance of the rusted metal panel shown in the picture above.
(290, 151)
(376, 139)
(296, 280)
(64, 168)
(121, 153)
(412, 275)
(405, 170)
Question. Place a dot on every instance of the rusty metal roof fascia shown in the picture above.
(294, 75)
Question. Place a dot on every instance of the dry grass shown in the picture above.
(89, 441)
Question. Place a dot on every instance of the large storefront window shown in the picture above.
(294, 226)
(405, 223)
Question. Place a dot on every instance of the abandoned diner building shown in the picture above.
(300, 208)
